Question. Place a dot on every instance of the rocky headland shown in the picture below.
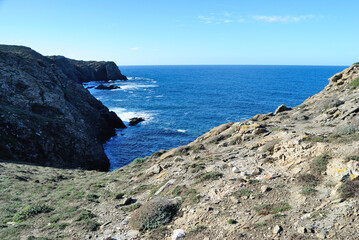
(292, 174)
(46, 115)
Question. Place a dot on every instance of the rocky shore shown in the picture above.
(46, 116)
(292, 174)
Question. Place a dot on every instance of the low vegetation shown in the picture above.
(265, 209)
(354, 84)
(154, 214)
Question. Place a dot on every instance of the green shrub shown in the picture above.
(349, 189)
(31, 211)
(154, 214)
(309, 180)
(308, 191)
(231, 221)
(131, 207)
(273, 208)
(93, 197)
(139, 160)
(85, 215)
(352, 157)
(319, 164)
(210, 176)
(354, 84)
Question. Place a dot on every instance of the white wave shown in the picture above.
(126, 115)
(181, 130)
(158, 96)
(133, 86)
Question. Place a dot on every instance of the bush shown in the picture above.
(273, 208)
(309, 180)
(349, 189)
(31, 211)
(85, 215)
(139, 160)
(232, 221)
(354, 84)
(352, 157)
(320, 163)
(210, 176)
(154, 214)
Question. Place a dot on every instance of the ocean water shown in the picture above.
(179, 103)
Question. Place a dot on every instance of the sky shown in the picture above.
(187, 32)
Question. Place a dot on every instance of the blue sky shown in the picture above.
(167, 32)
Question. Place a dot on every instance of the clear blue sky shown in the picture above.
(166, 32)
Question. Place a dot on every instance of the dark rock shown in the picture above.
(48, 118)
(103, 87)
(87, 71)
(134, 121)
(281, 108)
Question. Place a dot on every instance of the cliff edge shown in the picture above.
(47, 117)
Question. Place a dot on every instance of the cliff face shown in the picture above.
(86, 71)
(48, 118)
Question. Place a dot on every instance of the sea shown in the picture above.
(180, 103)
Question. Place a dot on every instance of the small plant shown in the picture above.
(131, 208)
(308, 180)
(260, 224)
(320, 214)
(198, 228)
(210, 176)
(139, 160)
(231, 221)
(196, 167)
(31, 211)
(352, 157)
(354, 84)
(154, 214)
(269, 146)
(273, 208)
(93, 197)
(178, 190)
(320, 163)
(308, 191)
(85, 215)
(349, 189)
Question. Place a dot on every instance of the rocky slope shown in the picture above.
(288, 175)
(48, 118)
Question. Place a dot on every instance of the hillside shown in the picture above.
(292, 174)
(48, 118)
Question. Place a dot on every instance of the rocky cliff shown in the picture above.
(292, 174)
(46, 117)
(86, 71)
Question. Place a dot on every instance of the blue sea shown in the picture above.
(179, 103)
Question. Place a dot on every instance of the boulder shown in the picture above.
(281, 108)
(134, 121)
(103, 87)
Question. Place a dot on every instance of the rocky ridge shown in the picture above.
(47, 117)
(288, 175)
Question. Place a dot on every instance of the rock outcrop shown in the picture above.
(46, 117)
(87, 71)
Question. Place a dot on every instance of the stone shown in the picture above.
(277, 229)
(135, 120)
(281, 108)
(177, 234)
(302, 230)
(132, 234)
(126, 201)
(235, 170)
(265, 188)
(167, 184)
(322, 234)
(103, 87)
(155, 169)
